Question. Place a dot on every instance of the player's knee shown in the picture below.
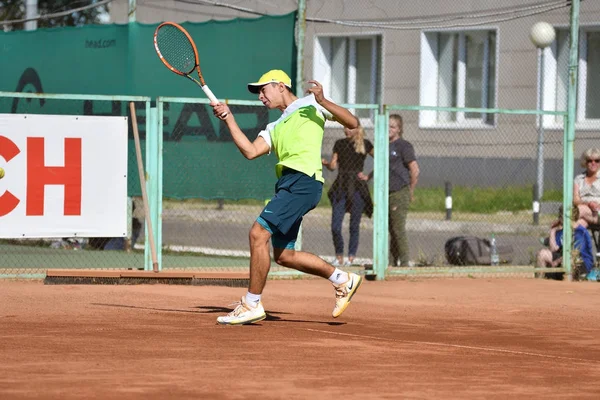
(284, 258)
(258, 235)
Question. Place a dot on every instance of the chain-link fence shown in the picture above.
(31, 257)
(484, 169)
(476, 182)
(209, 209)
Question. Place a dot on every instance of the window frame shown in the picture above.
(322, 66)
(550, 79)
(429, 80)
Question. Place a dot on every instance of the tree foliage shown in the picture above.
(15, 9)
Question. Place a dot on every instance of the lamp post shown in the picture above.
(131, 10)
(542, 35)
(31, 11)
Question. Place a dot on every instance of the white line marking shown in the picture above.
(460, 346)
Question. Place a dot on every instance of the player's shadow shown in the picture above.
(273, 316)
(143, 308)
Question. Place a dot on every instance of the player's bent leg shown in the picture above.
(303, 262)
(243, 314)
(311, 264)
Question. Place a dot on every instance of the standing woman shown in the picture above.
(349, 192)
(586, 188)
(404, 175)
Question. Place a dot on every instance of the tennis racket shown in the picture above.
(177, 50)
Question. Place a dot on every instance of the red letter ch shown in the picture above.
(39, 175)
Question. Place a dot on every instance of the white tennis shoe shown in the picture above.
(243, 313)
(344, 293)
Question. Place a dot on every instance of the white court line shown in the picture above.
(460, 346)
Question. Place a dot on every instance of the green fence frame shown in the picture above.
(381, 238)
(152, 160)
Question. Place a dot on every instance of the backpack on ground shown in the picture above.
(471, 250)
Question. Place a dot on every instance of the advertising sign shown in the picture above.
(64, 176)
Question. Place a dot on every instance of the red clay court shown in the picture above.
(411, 339)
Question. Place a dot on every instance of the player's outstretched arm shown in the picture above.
(341, 114)
(249, 149)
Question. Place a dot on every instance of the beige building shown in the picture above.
(475, 54)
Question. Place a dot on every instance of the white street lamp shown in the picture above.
(542, 35)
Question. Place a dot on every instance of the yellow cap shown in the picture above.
(273, 76)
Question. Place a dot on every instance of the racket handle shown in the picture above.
(211, 97)
(209, 94)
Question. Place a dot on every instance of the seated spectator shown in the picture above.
(586, 188)
(551, 257)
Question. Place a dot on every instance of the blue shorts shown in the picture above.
(295, 195)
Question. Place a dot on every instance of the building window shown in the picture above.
(556, 78)
(349, 69)
(458, 69)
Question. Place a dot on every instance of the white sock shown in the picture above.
(252, 299)
(338, 277)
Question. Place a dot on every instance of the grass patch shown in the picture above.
(480, 200)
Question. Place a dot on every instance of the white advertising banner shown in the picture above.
(64, 176)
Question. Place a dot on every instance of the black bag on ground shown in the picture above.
(471, 250)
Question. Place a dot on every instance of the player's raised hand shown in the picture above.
(316, 90)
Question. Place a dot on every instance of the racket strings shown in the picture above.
(176, 49)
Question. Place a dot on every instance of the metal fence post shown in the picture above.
(448, 202)
(536, 204)
(570, 138)
(381, 194)
(154, 186)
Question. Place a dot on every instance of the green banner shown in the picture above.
(120, 60)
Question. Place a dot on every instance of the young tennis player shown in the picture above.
(296, 138)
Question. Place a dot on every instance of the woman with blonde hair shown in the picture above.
(586, 188)
(349, 192)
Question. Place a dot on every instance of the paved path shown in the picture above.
(227, 229)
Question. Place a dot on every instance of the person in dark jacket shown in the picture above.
(349, 192)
